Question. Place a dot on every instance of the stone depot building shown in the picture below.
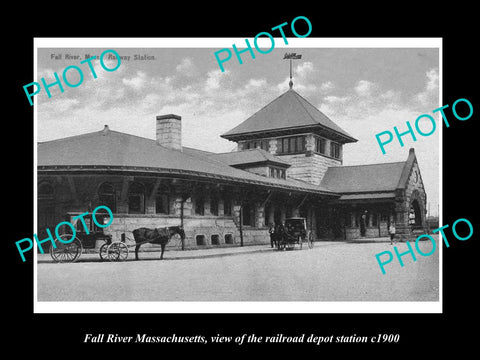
(288, 163)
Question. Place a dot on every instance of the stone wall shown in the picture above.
(403, 201)
(309, 167)
(201, 231)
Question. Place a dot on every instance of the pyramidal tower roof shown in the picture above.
(288, 114)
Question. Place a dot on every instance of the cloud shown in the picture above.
(137, 82)
(46, 73)
(302, 76)
(430, 93)
(214, 77)
(187, 67)
(304, 69)
(364, 88)
(256, 83)
(327, 87)
(59, 104)
(336, 99)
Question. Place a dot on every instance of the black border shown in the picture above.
(419, 332)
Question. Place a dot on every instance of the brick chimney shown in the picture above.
(169, 131)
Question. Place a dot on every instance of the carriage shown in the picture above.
(293, 232)
(71, 250)
(88, 233)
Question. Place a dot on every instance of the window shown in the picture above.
(285, 145)
(300, 144)
(162, 204)
(253, 144)
(264, 145)
(247, 215)
(214, 206)
(335, 150)
(106, 196)
(215, 239)
(136, 198)
(228, 239)
(277, 173)
(227, 207)
(199, 206)
(200, 239)
(291, 145)
(320, 145)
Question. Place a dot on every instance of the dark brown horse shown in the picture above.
(156, 236)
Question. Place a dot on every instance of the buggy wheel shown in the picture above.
(117, 251)
(103, 252)
(176, 241)
(310, 240)
(66, 252)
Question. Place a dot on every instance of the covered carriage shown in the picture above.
(293, 232)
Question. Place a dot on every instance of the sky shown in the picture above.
(364, 90)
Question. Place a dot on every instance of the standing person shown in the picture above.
(363, 223)
(391, 230)
(271, 231)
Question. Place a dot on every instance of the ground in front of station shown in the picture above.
(331, 271)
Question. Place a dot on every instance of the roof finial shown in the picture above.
(291, 56)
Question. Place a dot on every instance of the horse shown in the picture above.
(156, 236)
(277, 233)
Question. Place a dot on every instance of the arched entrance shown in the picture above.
(415, 216)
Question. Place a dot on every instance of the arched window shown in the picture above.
(248, 214)
(199, 205)
(162, 199)
(227, 207)
(106, 196)
(214, 205)
(136, 198)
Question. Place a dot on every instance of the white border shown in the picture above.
(245, 306)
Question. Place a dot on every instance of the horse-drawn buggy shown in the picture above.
(88, 234)
(293, 232)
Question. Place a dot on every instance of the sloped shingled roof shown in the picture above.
(289, 110)
(361, 178)
(385, 177)
(109, 149)
(249, 156)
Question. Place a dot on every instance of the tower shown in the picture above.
(293, 129)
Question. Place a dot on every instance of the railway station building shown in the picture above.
(288, 163)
